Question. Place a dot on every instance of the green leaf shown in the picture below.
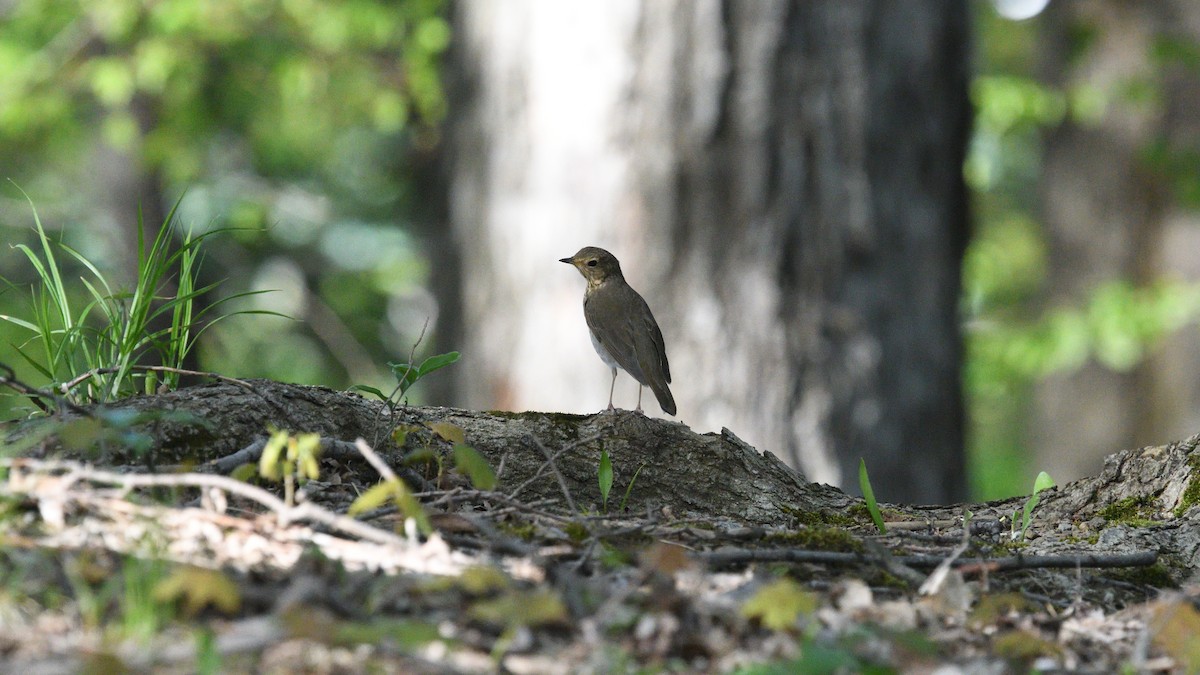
(395, 490)
(779, 604)
(605, 476)
(864, 484)
(474, 466)
(244, 472)
(401, 432)
(1042, 482)
(375, 497)
(270, 464)
(405, 634)
(421, 456)
(308, 448)
(406, 374)
(629, 488)
(436, 362)
(411, 507)
(370, 390)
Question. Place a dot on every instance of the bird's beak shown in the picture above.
(569, 261)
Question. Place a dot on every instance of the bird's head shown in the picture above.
(595, 264)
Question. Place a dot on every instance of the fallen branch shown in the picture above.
(74, 472)
(1091, 560)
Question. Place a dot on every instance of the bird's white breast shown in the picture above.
(604, 355)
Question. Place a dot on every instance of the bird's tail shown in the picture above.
(663, 394)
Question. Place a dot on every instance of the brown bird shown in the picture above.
(623, 330)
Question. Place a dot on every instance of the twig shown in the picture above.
(375, 460)
(127, 481)
(538, 474)
(10, 380)
(933, 584)
(67, 386)
(1091, 560)
(250, 453)
(562, 482)
(390, 405)
(739, 556)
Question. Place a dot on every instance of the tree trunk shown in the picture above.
(781, 180)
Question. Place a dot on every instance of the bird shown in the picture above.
(623, 330)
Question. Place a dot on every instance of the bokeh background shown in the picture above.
(319, 130)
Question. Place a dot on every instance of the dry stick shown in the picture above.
(562, 482)
(529, 508)
(375, 460)
(449, 498)
(286, 514)
(978, 525)
(67, 386)
(33, 393)
(331, 448)
(247, 455)
(934, 582)
(388, 405)
(538, 474)
(967, 565)
(500, 469)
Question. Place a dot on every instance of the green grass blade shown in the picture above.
(604, 475)
(864, 484)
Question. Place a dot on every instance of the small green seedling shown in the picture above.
(605, 477)
(408, 374)
(290, 457)
(864, 484)
(1042, 482)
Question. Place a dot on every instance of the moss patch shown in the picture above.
(1021, 645)
(1133, 511)
(1191, 494)
(1156, 575)
(818, 539)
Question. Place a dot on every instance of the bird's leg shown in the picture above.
(611, 387)
(640, 388)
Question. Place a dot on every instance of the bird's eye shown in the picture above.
(592, 262)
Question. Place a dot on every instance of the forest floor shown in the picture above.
(113, 566)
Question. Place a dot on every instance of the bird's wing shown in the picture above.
(658, 346)
(616, 334)
(649, 347)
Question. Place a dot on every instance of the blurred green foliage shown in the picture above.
(301, 121)
(297, 120)
(288, 76)
(1012, 340)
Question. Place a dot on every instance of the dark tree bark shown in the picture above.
(782, 180)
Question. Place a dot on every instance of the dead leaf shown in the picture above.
(1174, 628)
(665, 558)
(199, 588)
(779, 604)
(448, 431)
